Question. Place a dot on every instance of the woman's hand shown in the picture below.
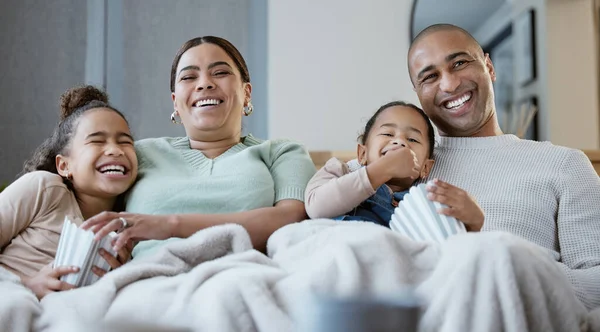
(460, 204)
(130, 227)
(47, 280)
(123, 256)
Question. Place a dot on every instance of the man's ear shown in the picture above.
(62, 166)
(361, 154)
(490, 67)
(426, 169)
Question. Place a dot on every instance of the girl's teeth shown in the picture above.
(113, 169)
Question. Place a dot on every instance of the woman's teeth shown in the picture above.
(207, 102)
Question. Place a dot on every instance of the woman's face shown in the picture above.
(209, 93)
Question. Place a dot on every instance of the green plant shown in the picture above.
(3, 186)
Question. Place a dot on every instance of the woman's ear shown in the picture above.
(247, 92)
(361, 154)
(174, 101)
(426, 169)
(62, 166)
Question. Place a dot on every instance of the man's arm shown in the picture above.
(578, 224)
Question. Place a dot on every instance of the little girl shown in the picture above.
(395, 149)
(78, 172)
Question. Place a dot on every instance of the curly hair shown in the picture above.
(73, 104)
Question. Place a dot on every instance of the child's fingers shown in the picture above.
(98, 271)
(57, 285)
(129, 246)
(122, 240)
(63, 270)
(110, 259)
(124, 253)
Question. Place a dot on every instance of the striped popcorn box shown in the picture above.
(77, 247)
(417, 217)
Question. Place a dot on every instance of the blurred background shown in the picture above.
(319, 68)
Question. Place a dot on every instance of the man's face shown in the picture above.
(453, 80)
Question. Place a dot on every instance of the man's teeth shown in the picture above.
(458, 102)
(206, 102)
(112, 169)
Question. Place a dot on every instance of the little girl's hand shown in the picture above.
(460, 204)
(403, 163)
(123, 257)
(47, 280)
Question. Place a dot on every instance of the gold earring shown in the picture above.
(248, 108)
(173, 119)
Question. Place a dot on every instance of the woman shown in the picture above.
(213, 176)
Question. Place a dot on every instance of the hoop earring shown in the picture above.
(173, 119)
(248, 109)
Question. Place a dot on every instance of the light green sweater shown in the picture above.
(173, 178)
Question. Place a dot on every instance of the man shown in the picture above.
(546, 194)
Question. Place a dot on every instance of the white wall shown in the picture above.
(42, 41)
(573, 73)
(332, 63)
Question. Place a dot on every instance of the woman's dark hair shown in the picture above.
(430, 131)
(73, 104)
(228, 47)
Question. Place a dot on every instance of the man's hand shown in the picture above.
(460, 204)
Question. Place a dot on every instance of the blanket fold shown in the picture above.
(215, 281)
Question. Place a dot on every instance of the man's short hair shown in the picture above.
(442, 27)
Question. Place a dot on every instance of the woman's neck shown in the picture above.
(91, 205)
(213, 149)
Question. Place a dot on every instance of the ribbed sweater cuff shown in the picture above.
(296, 193)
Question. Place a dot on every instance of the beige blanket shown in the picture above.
(214, 281)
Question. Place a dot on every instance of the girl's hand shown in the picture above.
(115, 262)
(48, 280)
(402, 163)
(130, 226)
(460, 204)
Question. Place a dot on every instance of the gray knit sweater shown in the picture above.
(547, 194)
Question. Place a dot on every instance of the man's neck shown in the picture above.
(489, 128)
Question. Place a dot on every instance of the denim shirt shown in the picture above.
(377, 208)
